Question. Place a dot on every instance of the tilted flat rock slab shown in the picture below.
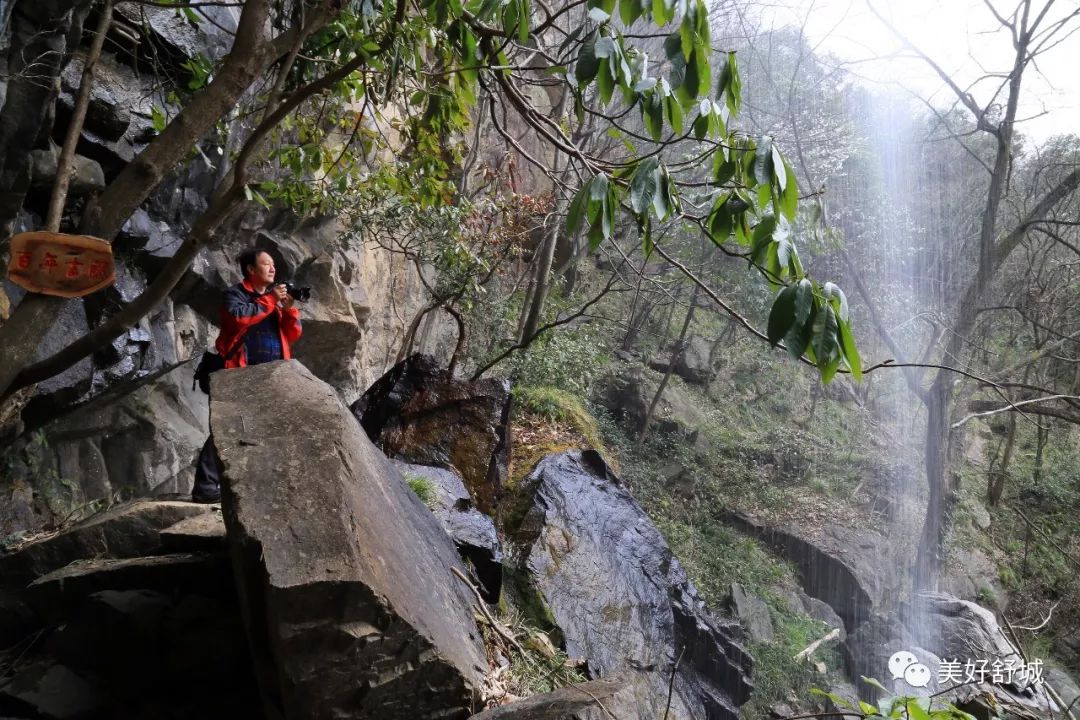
(57, 593)
(125, 531)
(345, 578)
(199, 533)
(621, 598)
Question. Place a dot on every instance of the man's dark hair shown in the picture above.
(248, 257)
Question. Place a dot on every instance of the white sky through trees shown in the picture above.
(962, 36)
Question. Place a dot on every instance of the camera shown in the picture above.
(303, 294)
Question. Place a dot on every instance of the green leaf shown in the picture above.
(804, 301)
(644, 185)
(782, 315)
(158, 118)
(587, 63)
(605, 84)
(730, 87)
(723, 169)
(674, 113)
(661, 12)
(837, 299)
(789, 198)
(576, 211)
(763, 171)
(701, 127)
(849, 350)
(662, 204)
(652, 110)
(915, 711)
(629, 11)
(720, 220)
(523, 22)
(686, 36)
(647, 238)
(825, 344)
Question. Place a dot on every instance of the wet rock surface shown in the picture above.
(945, 633)
(351, 608)
(472, 531)
(828, 576)
(577, 702)
(621, 599)
(419, 414)
(752, 613)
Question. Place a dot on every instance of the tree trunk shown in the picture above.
(932, 541)
(542, 281)
(680, 345)
(67, 153)
(996, 481)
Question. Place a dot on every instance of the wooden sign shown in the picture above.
(59, 264)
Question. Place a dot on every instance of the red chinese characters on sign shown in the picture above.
(59, 264)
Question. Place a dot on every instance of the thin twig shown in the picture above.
(487, 613)
(671, 681)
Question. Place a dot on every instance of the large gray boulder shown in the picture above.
(472, 531)
(351, 606)
(419, 413)
(945, 634)
(629, 393)
(693, 364)
(621, 598)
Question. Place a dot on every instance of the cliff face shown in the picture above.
(126, 419)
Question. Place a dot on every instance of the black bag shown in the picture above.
(210, 363)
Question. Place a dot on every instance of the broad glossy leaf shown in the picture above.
(849, 350)
(644, 185)
(782, 315)
(576, 212)
(587, 63)
(804, 301)
(629, 11)
(789, 198)
(763, 159)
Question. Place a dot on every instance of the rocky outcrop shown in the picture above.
(472, 531)
(752, 613)
(621, 598)
(629, 393)
(350, 605)
(418, 413)
(126, 531)
(114, 627)
(833, 577)
(937, 628)
(693, 363)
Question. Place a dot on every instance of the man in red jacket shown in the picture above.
(259, 323)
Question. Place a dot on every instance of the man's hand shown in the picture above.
(284, 299)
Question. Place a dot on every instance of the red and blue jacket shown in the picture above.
(242, 309)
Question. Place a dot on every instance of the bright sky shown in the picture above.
(962, 36)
